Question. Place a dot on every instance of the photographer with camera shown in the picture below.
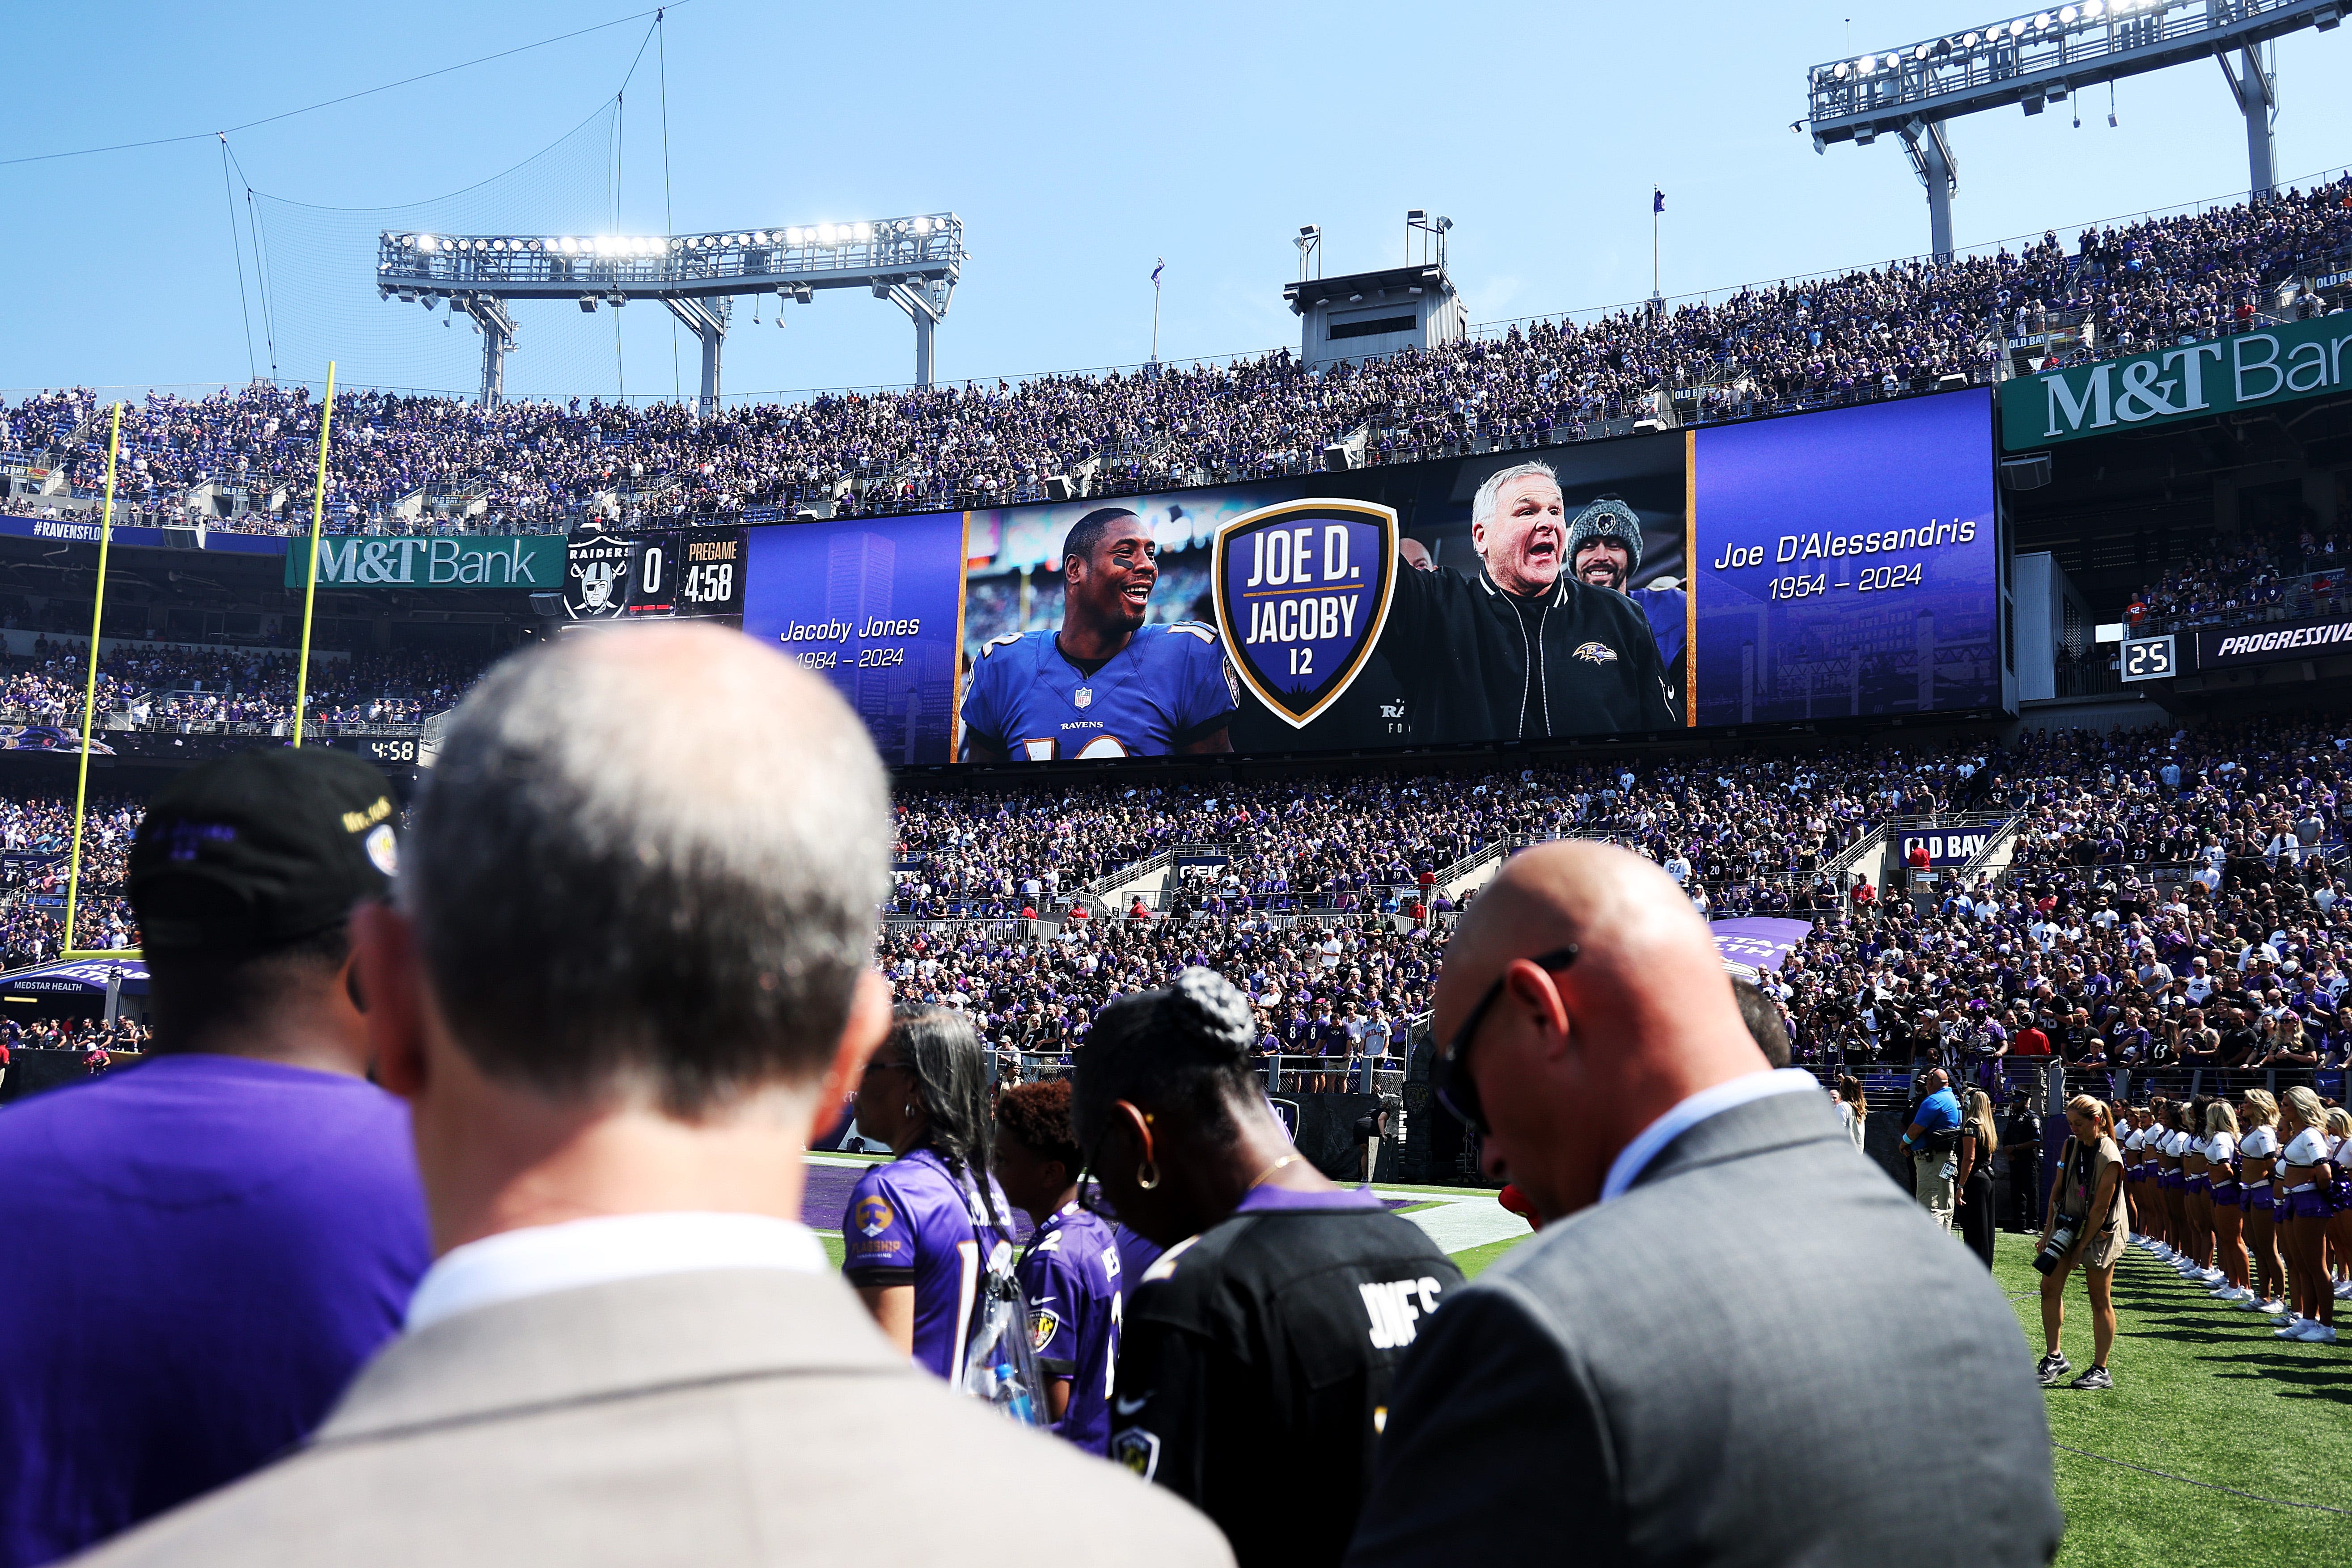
(2086, 1225)
(1932, 1143)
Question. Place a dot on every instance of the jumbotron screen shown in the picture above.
(1835, 564)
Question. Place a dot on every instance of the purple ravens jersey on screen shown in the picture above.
(1071, 1276)
(1168, 687)
(1667, 611)
(911, 1222)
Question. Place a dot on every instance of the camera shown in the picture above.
(2054, 1250)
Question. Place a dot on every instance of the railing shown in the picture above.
(120, 722)
(1001, 928)
(1889, 1085)
(1290, 1074)
(2305, 593)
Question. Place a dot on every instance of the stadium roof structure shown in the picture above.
(914, 262)
(2038, 59)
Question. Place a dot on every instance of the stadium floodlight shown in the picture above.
(2040, 57)
(914, 262)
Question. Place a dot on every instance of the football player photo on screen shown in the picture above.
(1107, 682)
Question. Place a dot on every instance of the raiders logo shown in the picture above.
(1302, 590)
(1044, 1323)
(596, 576)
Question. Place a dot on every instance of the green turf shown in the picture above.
(2201, 1391)
(1474, 1262)
(836, 1249)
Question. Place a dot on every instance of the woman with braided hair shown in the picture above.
(920, 1232)
(1275, 1321)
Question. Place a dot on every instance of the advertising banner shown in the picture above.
(1848, 563)
(533, 560)
(84, 975)
(2190, 381)
(2232, 647)
(127, 537)
(1758, 943)
(1957, 847)
(872, 604)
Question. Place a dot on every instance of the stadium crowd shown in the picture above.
(182, 689)
(2267, 574)
(2174, 901)
(421, 464)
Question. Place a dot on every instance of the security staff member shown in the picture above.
(1523, 650)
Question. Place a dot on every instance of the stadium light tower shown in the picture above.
(914, 262)
(2036, 60)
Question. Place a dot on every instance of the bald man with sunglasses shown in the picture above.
(1734, 1341)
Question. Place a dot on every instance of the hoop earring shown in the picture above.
(1147, 1181)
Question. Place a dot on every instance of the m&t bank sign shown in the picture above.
(2187, 381)
(476, 560)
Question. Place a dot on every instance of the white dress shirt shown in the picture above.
(1635, 1157)
(542, 1258)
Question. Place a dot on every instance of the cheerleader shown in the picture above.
(2151, 1194)
(2308, 1175)
(2222, 1191)
(2134, 1141)
(2167, 1145)
(2196, 1200)
(2339, 1226)
(2257, 1153)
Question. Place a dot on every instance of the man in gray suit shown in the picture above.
(626, 970)
(1735, 1341)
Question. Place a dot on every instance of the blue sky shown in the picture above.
(1079, 144)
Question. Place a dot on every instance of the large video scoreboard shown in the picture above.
(1837, 565)
(674, 572)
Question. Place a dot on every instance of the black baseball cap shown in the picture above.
(250, 853)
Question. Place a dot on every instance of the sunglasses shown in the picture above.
(1450, 1079)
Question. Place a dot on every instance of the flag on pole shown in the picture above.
(1160, 265)
(1657, 200)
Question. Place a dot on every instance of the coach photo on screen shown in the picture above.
(1523, 650)
(1105, 684)
(1652, 1379)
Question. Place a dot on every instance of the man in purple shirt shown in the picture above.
(202, 1250)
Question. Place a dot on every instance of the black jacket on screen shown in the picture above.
(1477, 664)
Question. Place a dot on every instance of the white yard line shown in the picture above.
(1457, 1226)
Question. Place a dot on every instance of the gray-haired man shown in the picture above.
(619, 988)
(1523, 650)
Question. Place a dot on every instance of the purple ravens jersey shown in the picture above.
(1667, 611)
(1135, 1254)
(911, 1222)
(1071, 1276)
(1168, 687)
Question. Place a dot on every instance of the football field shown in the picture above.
(2218, 1444)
